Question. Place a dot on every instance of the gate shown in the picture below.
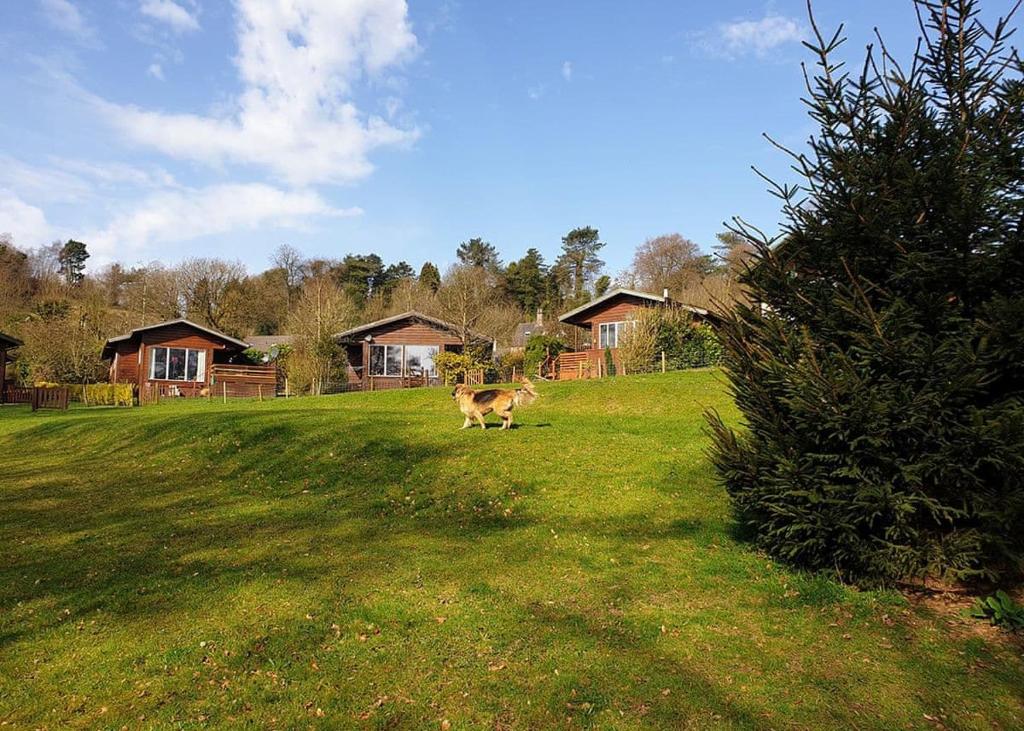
(50, 398)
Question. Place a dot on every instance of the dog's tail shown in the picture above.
(527, 394)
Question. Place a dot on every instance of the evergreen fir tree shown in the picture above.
(880, 372)
(71, 261)
(430, 277)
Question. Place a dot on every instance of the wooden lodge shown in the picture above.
(398, 351)
(7, 344)
(181, 358)
(605, 320)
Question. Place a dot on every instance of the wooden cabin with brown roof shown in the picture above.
(605, 321)
(398, 351)
(7, 344)
(181, 358)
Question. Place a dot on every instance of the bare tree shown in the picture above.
(294, 264)
(321, 311)
(15, 280)
(465, 295)
(205, 286)
(669, 262)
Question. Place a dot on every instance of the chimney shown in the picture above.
(664, 293)
(540, 317)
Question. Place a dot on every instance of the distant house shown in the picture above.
(270, 345)
(7, 343)
(525, 330)
(399, 351)
(174, 358)
(605, 320)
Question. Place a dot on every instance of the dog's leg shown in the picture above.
(467, 423)
(480, 418)
(506, 419)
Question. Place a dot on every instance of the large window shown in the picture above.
(610, 334)
(385, 360)
(388, 360)
(419, 360)
(177, 364)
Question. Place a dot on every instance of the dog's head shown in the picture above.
(458, 391)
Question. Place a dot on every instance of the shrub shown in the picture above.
(512, 362)
(672, 331)
(699, 347)
(452, 367)
(879, 374)
(609, 362)
(103, 394)
(539, 348)
(638, 348)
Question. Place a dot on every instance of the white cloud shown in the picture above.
(167, 11)
(297, 62)
(115, 173)
(535, 92)
(26, 224)
(65, 16)
(181, 215)
(750, 37)
(567, 70)
(75, 181)
(41, 183)
(156, 71)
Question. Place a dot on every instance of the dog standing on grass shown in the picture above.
(475, 405)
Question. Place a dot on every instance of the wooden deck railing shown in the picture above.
(572, 366)
(243, 380)
(583, 364)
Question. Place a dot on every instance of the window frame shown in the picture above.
(435, 349)
(200, 364)
(401, 360)
(618, 327)
(403, 349)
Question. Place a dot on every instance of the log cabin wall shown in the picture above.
(132, 357)
(617, 309)
(404, 332)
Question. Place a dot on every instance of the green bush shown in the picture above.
(539, 348)
(879, 374)
(609, 362)
(699, 346)
(452, 367)
(103, 394)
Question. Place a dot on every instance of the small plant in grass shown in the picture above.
(609, 362)
(1001, 610)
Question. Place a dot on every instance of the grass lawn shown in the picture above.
(357, 561)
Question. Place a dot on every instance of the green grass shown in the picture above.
(357, 561)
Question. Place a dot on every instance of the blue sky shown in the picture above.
(164, 129)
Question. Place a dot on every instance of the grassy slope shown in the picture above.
(357, 560)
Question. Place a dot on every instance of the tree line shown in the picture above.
(64, 313)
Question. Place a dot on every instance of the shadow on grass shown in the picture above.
(169, 511)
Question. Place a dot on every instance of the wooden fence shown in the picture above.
(17, 394)
(50, 398)
(251, 381)
(573, 366)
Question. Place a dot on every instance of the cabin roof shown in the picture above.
(7, 341)
(353, 334)
(622, 291)
(180, 321)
